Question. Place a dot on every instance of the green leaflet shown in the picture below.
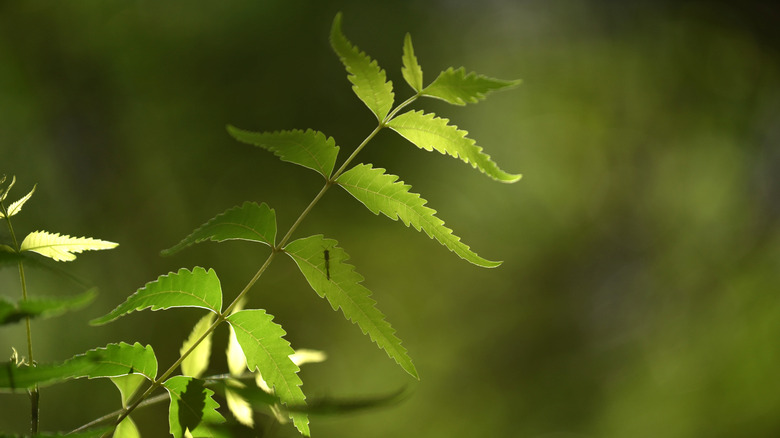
(369, 80)
(252, 222)
(61, 248)
(380, 192)
(340, 284)
(41, 307)
(112, 361)
(429, 132)
(192, 406)
(4, 192)
(458, 88)
(126, 429)
(195, 364)
(308, 149)
(196, 288)
(269, 353)
(411, 70)
(16, 207)
(127, 385)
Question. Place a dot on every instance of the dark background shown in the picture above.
(639, 293)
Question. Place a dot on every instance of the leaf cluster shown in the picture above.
(263, 365)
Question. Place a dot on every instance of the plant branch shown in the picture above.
(123, 413)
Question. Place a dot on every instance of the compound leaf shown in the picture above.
(411, 70)
(192, 406)
(16, 207)
(311, 149)
(195, 364)
(41, 307)
(369, 81)
(61, 248)
(196, 288)
(252, 222)
(459, 88)
(269, 353)
(338, 282)
(112, 361)
(381, 192)
(426, 131)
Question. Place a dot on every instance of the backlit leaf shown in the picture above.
(269, 353)
(343, 290)
(196, 288)
(252, 222)
(369, 80)
(311, 149)
(195, 364)
(191, 406)
(62, 248)
(411, 70)
(381, 192)
(16, 207)
(112, 361)
(459, 88)
(429, 132)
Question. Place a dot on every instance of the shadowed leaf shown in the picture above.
(191, 406)
(269, 353)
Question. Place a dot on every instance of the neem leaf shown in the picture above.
(252, 222)
(112, 361)
(41, 307)
(269, 353)
(369, 80)
(195, 364)
(16, 207)
(62, 248)
(429, 132)
(381, 192)
(191, 407)
(411, 70)
(334, 279)
(458, 88)
(311, 149)
(196, 288)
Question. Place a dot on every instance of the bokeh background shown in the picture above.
(639, 293)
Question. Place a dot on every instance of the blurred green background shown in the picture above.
(639, 293)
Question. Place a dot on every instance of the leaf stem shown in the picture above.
(34, 394)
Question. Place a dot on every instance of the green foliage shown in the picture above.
(251, 222)
(267, 352)
(310, 149)
(41, 307)
(381, 192)
(191, 406)
(112, 361)
(458, 88)
(369, 81)
(61, 248)
(196, 288)
(257, 349)
(429, 132)
(342, 288)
